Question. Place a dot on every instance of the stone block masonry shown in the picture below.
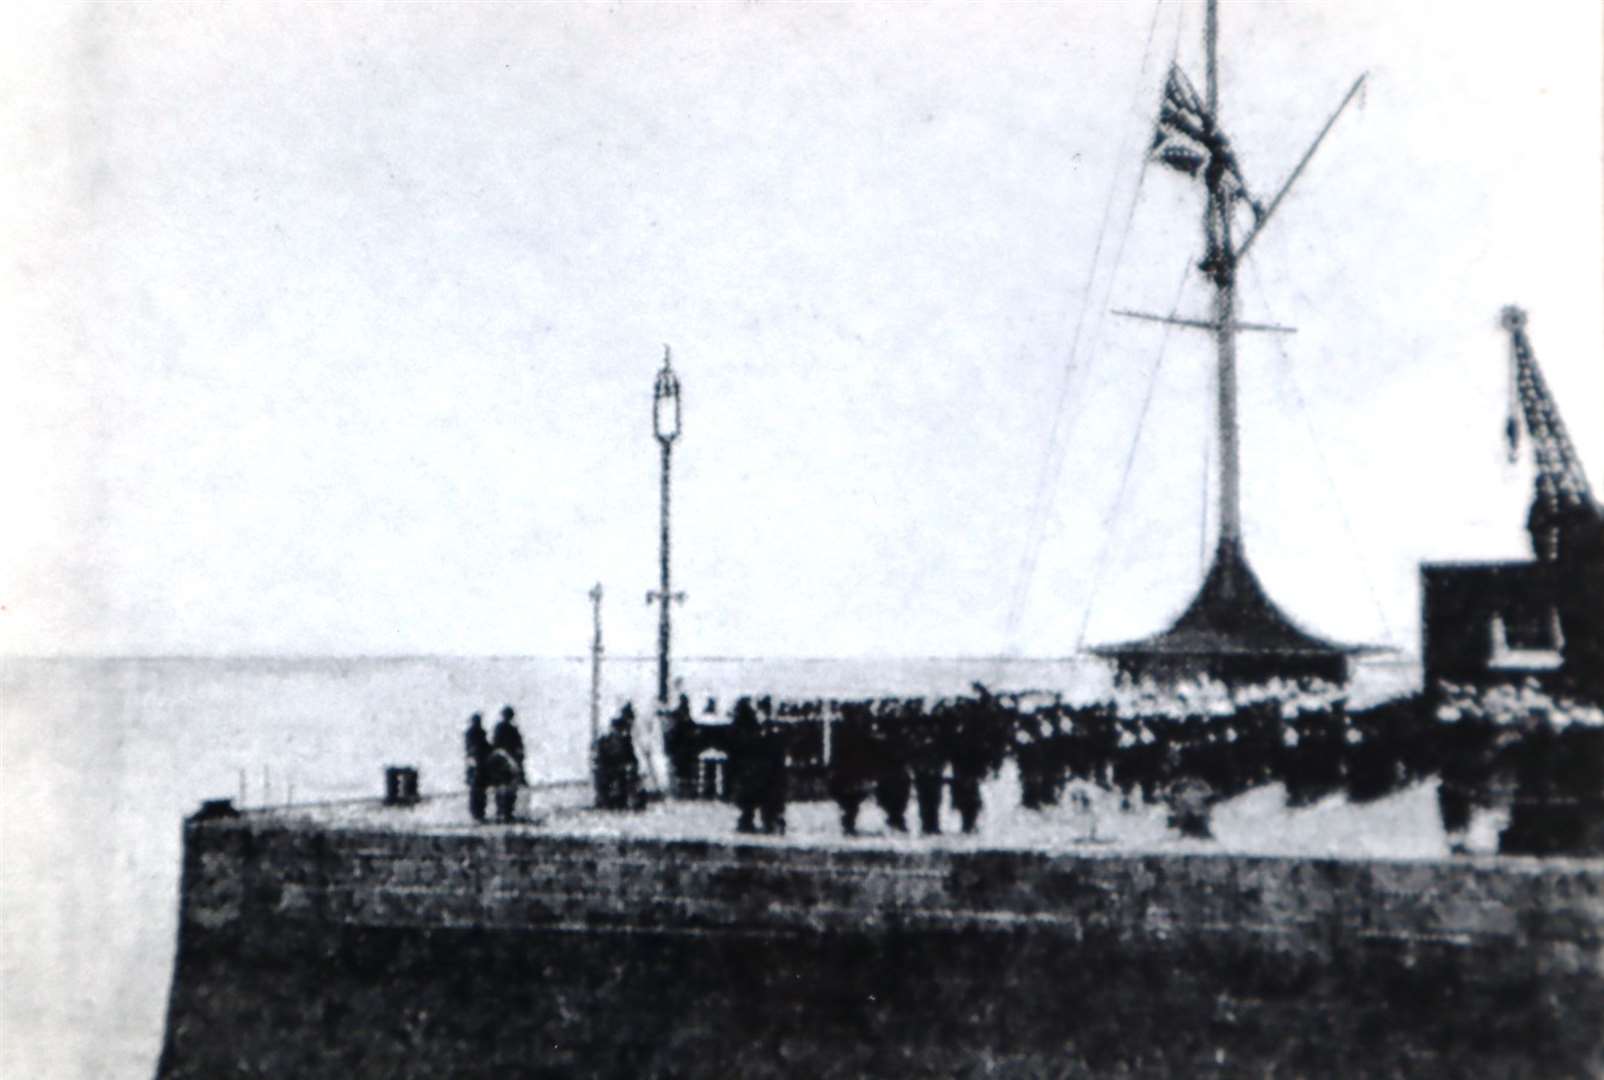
(351, 952)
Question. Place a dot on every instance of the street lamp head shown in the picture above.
(665, 403)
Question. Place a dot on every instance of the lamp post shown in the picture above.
(595, 664)
(666, 427)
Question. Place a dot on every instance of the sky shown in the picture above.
(333, 328)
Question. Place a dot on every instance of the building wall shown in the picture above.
(312, 952)
(1459, 602)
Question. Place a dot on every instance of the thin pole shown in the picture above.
(1264, 218)
(1203, 510)
(1230, 466)
(665, 426)
(595, 664)
(1221, 264)
(664, 597)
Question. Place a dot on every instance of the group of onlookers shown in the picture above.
(495, 764)
(901, 754)
(892, 751)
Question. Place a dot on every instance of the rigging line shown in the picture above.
(1053, 456)
(1203, 511)
(1291, 381)
(1336, 497)
(1130, 460)
(1052, 464)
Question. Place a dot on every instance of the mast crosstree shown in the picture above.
(1231, 629)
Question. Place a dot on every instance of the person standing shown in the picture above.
(966, 797)
(852, 765)
(505, 765)
(970, 741)
(476, 747)
(680, 741)
(923, 733)
(507, 737)
(892, 785)
(617, 773)
(772, 767)
(746, 764)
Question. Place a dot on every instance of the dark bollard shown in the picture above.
(400, 785)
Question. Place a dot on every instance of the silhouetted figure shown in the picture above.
(974, 749)
(892, 785)
(772, 792)
(966, 794)
(1141, 764)
(504, 767)
(679, 740)
(1055, 756)
(617, 772)
(682, 712)
(1030, 756)
(746, 764)
(507, 737)
(926, 755)
(476, 747)
(852, 765)
(1190, 800)
(502, 775)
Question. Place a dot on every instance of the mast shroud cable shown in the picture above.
(1052, 463)
(1130, 459)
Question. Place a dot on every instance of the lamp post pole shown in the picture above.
(666, 427)
(595, 664)
(665, 595)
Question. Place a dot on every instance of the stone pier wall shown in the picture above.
(315, 952)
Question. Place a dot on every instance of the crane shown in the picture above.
(1566, 522)
(1564, 514)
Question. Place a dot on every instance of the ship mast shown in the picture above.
(1191, 139)
(1231, 629)
(1220, 264)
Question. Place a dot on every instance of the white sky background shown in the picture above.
(333, 329)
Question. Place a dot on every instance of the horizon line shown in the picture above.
(1394, 655)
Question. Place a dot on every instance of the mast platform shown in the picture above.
(1232, 631)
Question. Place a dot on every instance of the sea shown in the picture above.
(101, 759)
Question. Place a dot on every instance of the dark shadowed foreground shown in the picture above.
(311, 951)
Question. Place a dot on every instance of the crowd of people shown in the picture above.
(1209, 742)
(1545, 743)
(902, 753)
(893, 751)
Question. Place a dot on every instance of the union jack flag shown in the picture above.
(1187, 140)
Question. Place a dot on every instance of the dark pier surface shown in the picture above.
(358, 941)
